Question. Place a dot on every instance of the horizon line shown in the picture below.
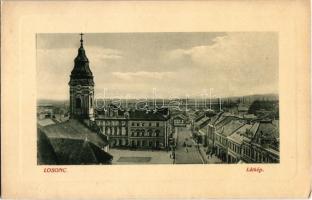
(168, 98)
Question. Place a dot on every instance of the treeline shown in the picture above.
(258, 105)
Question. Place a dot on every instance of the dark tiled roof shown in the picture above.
(223, 120)
(215, 118)
(159, 115)
(205, 123)
(239, 135)
(200, 117)
(45, 151)
(71, 143)
(231, 126)
(268, 129)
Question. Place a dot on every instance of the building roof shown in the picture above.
(250, 116)
(71, 142)
(242, 108)
(179, 116)
(111, 111)
(223, 120)
(238, 136)
(150, 115)
(215, 118)
(45, 122)
(230, 125)
(203, 122)
(199, 117)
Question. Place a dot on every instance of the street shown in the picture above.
(188, 154)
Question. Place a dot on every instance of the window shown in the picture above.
(157, 132)
(132, 124)
(91, 102)
(150, 124)
(78, 103)
(150, 132)
(157, 123)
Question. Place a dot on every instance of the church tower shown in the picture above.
(81, 86)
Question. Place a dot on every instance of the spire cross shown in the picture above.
(81, 40)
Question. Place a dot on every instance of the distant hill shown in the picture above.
(53, 102)
(243, 99)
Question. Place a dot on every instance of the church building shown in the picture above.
(75, 141)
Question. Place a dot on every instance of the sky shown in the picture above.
(165, 65)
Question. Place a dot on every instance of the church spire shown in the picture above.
(81, 40)
(81, 73)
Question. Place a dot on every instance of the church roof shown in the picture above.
(81, 74)
(70, 143)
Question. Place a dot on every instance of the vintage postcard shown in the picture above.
(158, 98)
(147, 98)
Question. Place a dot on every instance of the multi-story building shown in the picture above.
(149, 128)
(235, 143)
(146, 129)
(113, 123)
(226, 128)
(262, 145)
(179, 120)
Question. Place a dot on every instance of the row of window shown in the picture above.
(234, 147)
(144, 124)
(143, 133)
(258, 156)
(136, 143)
(111, 123)
(178, 121)
(221, 139)
(114, 130)
(134, 133)
(123, 123)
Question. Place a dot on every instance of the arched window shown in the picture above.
(78, 103)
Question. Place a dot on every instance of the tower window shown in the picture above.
(78, 103)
